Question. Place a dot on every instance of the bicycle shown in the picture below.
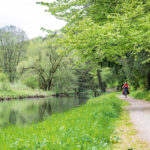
(126, 91)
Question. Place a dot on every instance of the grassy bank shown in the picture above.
(19, 90)
(87, 127)
(13, 94)
(141, 94)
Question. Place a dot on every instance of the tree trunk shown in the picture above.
(148, 81)
(101, 84)
(49, 85)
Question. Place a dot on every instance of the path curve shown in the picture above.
(139, 111)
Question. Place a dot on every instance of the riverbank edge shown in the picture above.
(33, 96)
(15, 94)
(22, 94)
(23, 97)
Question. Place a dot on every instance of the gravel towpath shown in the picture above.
(139, 111)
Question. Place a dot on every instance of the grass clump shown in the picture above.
(6, 94)
(18, 90)
(88, 127)
(141, 94)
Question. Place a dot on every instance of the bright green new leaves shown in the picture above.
(128, 32)
(126, 26)
(73, 11)
(112, 31)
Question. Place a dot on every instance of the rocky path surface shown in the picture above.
(139, 111)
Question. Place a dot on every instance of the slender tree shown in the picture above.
(12, 49)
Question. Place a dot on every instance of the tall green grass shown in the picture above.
(18, 90)
(4, 94)
(88, 127)
(141, 94)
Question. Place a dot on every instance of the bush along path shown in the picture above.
(88, 127)
(139, 111)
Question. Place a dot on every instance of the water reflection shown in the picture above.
(13, 117)
(32, 111)
(44, 109)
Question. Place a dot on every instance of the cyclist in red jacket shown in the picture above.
(125, 89)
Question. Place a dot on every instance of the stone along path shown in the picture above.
(139, 111)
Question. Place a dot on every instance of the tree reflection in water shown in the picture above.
(29, 111)
(44, 110)
(13, 117)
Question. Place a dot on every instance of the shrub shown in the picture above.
(31, 82)
(4, 82)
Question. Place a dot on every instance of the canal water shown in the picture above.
(27, 111)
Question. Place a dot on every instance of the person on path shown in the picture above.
(125, 89)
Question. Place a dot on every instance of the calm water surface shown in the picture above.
(34, 110)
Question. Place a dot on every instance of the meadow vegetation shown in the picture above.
(87, 127)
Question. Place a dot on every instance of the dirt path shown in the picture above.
(139, 111)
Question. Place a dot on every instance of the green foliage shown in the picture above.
(19, 86)
(141, 94)
(74, 11)
(46, 66)
(31, 82)
(12, 48)
(112, 31)
(87, 127)
(65, 81)
(4, 83)
(110, 37)
(107, 76)
(87, 80)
